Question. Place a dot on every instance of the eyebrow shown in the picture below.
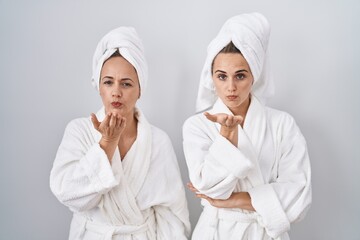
(238, 71)
(242, 70)
(122, 79)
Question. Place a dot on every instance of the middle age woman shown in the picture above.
(116, 172)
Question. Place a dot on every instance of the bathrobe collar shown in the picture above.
(251, 136)
(131, 173)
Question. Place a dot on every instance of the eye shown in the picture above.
(240, 76)
(221, 76)
(126, 84)
(108, 82)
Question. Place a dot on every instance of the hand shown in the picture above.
(225, 120)
(229, 125)
(236, 200)
(111, 127)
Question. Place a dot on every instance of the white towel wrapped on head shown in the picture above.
(250, 34)
(127, 42)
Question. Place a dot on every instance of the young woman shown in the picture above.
(117, 173)
(248, 162)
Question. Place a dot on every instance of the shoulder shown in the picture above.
(278, 116)
(79, 125)
(283, 122)
(197, 122)
(162, 150)
(160, 137)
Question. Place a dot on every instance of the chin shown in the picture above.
(232, 104)
(115, 110)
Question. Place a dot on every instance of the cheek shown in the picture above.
(101, 93)
(103, 96)
(217, 87)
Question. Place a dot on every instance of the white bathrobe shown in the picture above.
(271, 163)
(139, 197)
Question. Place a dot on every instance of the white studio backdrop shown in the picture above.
(45, 64)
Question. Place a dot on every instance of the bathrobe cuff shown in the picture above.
(267, 205)
(98, 169)
(230, 157)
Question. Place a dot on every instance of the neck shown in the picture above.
(131, 126)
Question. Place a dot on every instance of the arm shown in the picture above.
(81, 172)
(215, 164)
(236, 200)
(287, 197)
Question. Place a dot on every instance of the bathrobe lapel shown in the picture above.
(250, 137)
(119, 205)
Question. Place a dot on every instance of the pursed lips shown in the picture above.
(116, 104)
(231, 97)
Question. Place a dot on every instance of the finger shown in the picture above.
(123, 123)
(118, 121)
(192, 188)
(95, 121)
(211, 117)
(106, 121)
(238, 119)
(229, 121)
(204, 197)
(213, 202)
(112, 122)
(223, 120)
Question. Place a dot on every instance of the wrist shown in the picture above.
(109, 140)
(227, 132)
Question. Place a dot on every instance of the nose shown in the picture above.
(116, 93)
(232, 85)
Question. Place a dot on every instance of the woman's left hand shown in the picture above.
(236, 200)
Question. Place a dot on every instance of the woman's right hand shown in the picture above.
(111, 127)
(227, 121)
(229, 125)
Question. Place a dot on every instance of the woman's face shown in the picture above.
(119, 86)
(233, 80)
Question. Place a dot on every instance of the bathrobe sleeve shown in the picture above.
(81, 171)
(215, 164)
(288, 196)
(171, 211)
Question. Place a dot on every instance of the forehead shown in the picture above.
(117, 65)
(230, 60)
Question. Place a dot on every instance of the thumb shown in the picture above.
(95, 121)
(239, 119)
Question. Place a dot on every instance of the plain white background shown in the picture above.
(45, 64)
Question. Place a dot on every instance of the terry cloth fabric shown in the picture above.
(127, 42)
(250, 34)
